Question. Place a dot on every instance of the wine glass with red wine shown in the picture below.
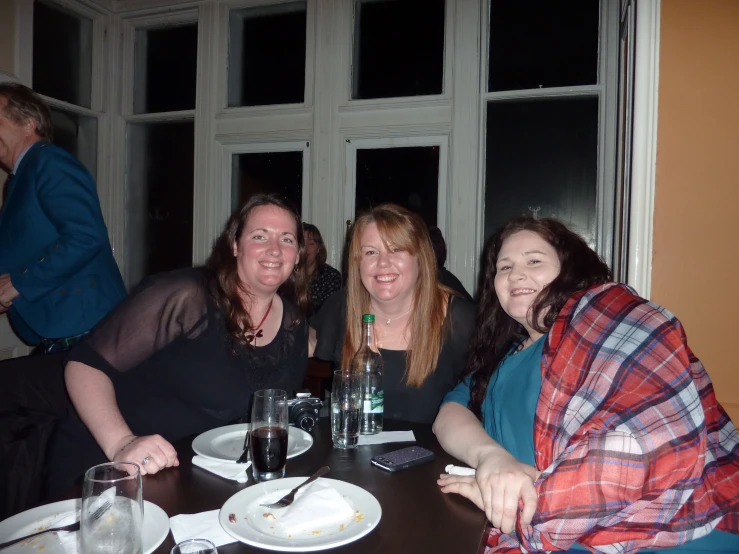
(268, 441)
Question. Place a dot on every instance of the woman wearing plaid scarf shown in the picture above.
(589, 421)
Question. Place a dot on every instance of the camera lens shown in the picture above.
(304, 416)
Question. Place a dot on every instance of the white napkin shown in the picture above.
(235, 472)
(204, 525)
(387, 436)
(67, 540)
(459, 470)
(318, 507)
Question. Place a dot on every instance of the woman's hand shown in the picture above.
(502, 481)
(464, 485)
(158, 452)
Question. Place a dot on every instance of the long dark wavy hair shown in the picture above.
(227, 288)
(496, 332)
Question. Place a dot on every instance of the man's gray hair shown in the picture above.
(24, 104)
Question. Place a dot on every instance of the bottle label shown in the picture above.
(374, 403)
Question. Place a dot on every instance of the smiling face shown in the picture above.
(267, 250)
(388, 273)
(14, 138)
(526, 265)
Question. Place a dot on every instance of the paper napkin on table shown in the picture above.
(227, 470)
(67, 540)
(318, 507)
(459, 470)
(204, 525)
(387, 436)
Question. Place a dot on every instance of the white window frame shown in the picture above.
(228, 151)
(606, 90)
(351, 147)
(221, 84)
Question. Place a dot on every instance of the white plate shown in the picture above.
(253, 528)
(226, 444)
(155, 528)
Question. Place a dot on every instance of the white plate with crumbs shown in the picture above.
(154, 530)
(226, 444)
(245, 519)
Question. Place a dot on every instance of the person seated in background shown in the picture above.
(590, 422)
(422, 327)
(184, 353)
(445, 276)
(323, 279)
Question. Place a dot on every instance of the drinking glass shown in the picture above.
(346, 408)
(195, 546)
(112, 509)
(268, 442)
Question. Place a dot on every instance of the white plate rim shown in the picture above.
(197, 444)
(158, 518)
(288, 483)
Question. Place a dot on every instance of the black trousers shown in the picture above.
(33, 398)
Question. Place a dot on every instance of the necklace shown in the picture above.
(391, 319)
(251, 337)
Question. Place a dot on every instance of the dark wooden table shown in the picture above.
(416, 516)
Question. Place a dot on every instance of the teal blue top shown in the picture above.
(508, 417)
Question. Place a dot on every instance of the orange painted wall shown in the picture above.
(695, 271)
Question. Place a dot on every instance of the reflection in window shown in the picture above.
(159, 204)
(408, 176)
(267, 55)
(278, 172)
(78, 135)
(165, 69)
(542, 160)
(62, 54)
(543, 44)
(398, 48)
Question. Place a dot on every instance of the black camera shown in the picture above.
(304, 410)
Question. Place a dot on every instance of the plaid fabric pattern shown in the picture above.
(636, 451)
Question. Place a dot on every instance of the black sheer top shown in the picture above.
(174, 367)
(402, 401)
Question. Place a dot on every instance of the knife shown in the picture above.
(245, 454)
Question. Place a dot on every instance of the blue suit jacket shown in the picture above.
(54, 244)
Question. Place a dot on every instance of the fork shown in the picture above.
(97, 514)
(289, 498)
(244, 458)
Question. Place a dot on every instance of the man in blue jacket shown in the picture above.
(58, 277)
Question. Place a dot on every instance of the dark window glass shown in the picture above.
(62, 54)
(159, 210)
(408, 176)
(543, 44)
(166, 66)
(398, 48)
(78, 135)
(279, 172)
(542, 159)
(267, 55)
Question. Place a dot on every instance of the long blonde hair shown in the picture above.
(407, 231)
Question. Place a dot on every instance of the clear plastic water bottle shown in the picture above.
(368, 361)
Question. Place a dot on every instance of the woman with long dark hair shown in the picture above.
(323, 279)
(586, 416)
(185, 351)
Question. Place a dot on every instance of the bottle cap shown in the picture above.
(368, 318)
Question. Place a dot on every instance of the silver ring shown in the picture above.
(145, 460)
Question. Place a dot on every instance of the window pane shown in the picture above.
(78, 135)
(159, 207)
(62, 54)
(542, 159)
(279, 172)
(543, 44)
(165, 69)
(267, 55)
(408, 176)
(398, 48)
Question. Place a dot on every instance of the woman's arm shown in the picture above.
(501, 479)
(93, 396)
(312, 340)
